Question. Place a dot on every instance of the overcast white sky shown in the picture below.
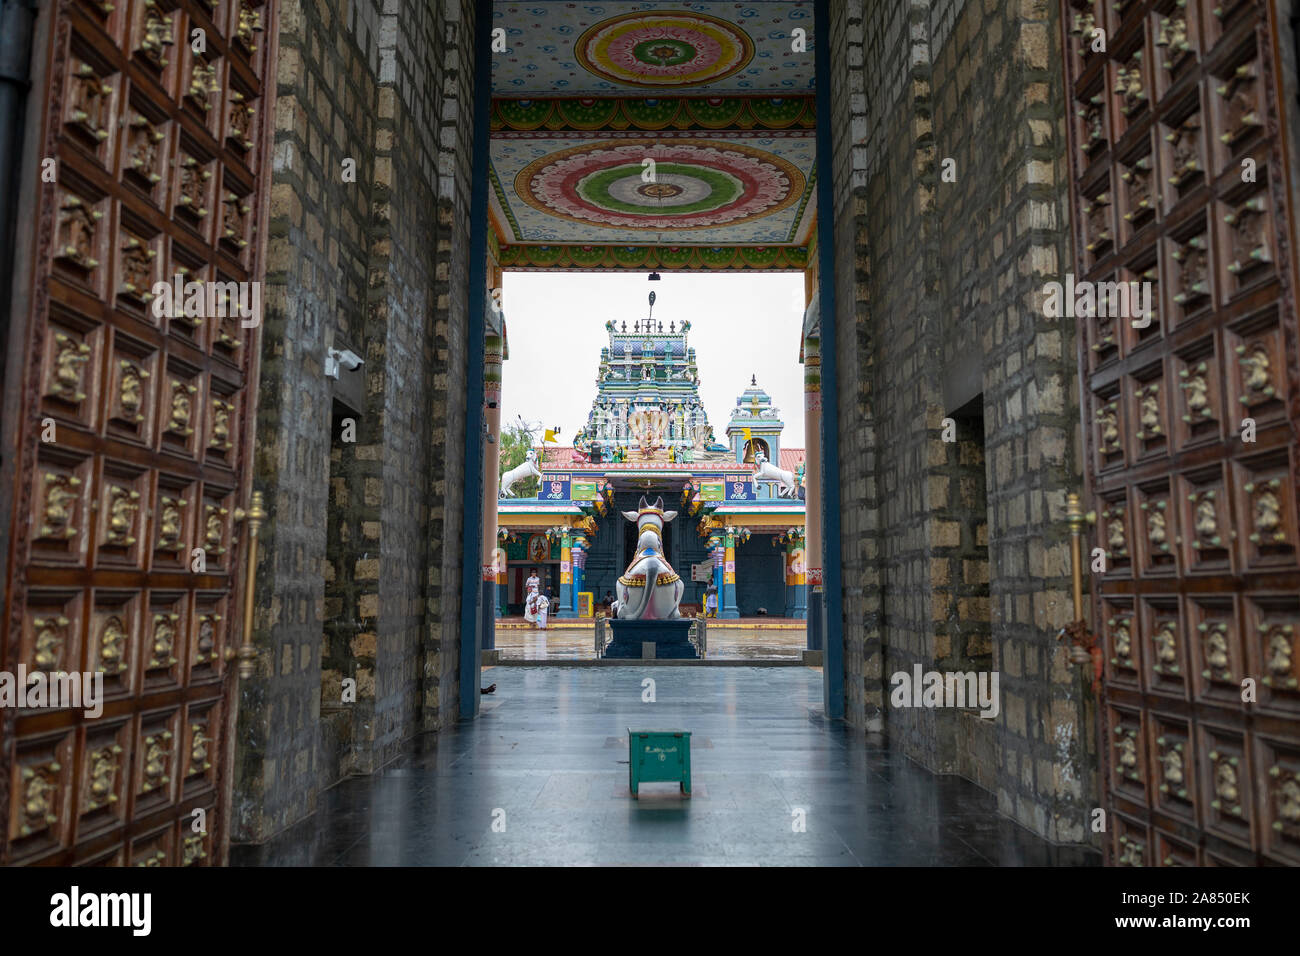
(741, 325)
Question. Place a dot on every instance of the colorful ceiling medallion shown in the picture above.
(673, 49)
(693, 185)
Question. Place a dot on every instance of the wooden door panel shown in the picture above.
(160, 174)
(1178, 177)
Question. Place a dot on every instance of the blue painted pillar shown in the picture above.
(787, 575)
(727, 598)
(833, 608)
(579, 569)
(718, 554)
(799, 577)
(471, 593)
(502, 576)
(487, 610)
(788, 580)
(566, 577)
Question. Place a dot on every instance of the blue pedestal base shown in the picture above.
(815, 619)
(670, 639)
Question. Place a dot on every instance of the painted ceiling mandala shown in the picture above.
(695, 185)
(674, 49)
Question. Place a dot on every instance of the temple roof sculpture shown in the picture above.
(648, 417)
(647, 402)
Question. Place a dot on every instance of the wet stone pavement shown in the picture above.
(548, 758)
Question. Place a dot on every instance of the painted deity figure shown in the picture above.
(648, 428)
(649, 590)
(711, 445)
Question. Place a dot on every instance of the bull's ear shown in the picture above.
(669, 516)
(630, 515)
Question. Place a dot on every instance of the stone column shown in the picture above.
(492, 350)
(812, 424)
(796, 577)
(727, 598)
(788, 577)
(566, 576)
(503, 580)
(718, 553)
(579, 569)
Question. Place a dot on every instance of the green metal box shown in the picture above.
(658, 755)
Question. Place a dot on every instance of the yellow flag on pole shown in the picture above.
(549, 436)
(748, 436)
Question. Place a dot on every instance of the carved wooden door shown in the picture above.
(160, 134)
(1179, 173)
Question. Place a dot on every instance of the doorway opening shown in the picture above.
(720, 178)
(966, 630)
(626, 402)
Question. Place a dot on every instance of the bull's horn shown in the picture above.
(643, 505)
(659, 504)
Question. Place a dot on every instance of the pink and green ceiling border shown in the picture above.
(618, 258)
(652, 114)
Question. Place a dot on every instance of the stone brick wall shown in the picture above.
(348, 642)
(315, 283)
(940, 568)
(440, 679)
(884, 53)
(379, 266)
(400, 350)
(943, 15)
(852, 352)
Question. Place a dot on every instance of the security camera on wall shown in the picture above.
(345, 358)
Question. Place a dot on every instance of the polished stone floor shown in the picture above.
(541, 779)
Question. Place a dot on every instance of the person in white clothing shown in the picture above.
(543, 606)
(531, 586)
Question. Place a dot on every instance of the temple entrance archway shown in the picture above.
(635, 169)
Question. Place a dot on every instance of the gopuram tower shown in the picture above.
(647, 402)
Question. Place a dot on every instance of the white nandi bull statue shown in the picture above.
(649, 589)
(518, 473)
(769, 472)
